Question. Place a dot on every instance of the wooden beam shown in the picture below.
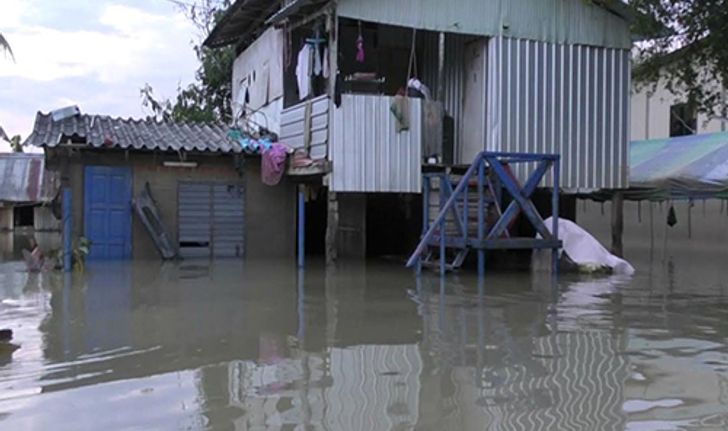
(617, 223)
(332, 228)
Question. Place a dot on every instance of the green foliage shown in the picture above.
(685, 49)
(16, 144)
(209, 97)
(80, 251)
(5, 48)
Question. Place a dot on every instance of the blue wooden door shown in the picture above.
(107, 212)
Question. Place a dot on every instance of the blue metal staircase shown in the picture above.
(462, 210)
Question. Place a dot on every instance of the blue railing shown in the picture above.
(492, 170)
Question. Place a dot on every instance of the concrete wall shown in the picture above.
(650, 114)
(270, 211)
(7, 222)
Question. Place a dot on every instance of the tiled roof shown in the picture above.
(24, 179)
(106, 132)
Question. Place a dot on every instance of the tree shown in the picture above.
(209, 97)
(685, 49)
(5, 46)
(16, 142)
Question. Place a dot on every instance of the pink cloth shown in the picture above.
(273, 164)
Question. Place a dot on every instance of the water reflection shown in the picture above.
(262, 346)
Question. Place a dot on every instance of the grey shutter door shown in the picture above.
(211, 220)
(228, 225)
(194, 203)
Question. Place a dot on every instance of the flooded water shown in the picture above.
(260, 346)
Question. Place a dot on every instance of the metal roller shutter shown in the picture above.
(211, 219)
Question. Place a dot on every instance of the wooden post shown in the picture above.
(617, 223)
(301, 225)
(332, 228)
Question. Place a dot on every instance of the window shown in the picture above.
(683, 119)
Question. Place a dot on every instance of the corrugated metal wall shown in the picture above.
(293, 122)
(566, 99)
(211, 220)
(560, 21)
(367, 152)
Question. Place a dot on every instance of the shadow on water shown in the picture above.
(261, 345)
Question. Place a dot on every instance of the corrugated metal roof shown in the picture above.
(560, 21)
(106, 132)
(598, 23)
(24, 179)
(245, 20)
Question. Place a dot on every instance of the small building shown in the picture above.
(526, 76)
(27, 191)
(659, 113)
(208, 196)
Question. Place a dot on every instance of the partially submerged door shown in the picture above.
(107, 211)
(211, 219)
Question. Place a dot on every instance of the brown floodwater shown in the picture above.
(261, 346)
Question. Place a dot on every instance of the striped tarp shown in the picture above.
(687, 166)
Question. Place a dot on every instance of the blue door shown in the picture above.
(107, 212)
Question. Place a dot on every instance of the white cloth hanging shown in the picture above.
(303, 72)
(326, 72)
(317, 66)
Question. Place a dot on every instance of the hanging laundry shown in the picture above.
(338, 84)
(326, 72)
(360, 49)
(317, 66)
(273, 164)
(303, 72)
(671, 216)
(400, 111)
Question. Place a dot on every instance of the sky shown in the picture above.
(96, 54)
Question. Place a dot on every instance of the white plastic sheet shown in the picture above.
(586, 251)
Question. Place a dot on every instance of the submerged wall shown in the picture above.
(269, 211)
